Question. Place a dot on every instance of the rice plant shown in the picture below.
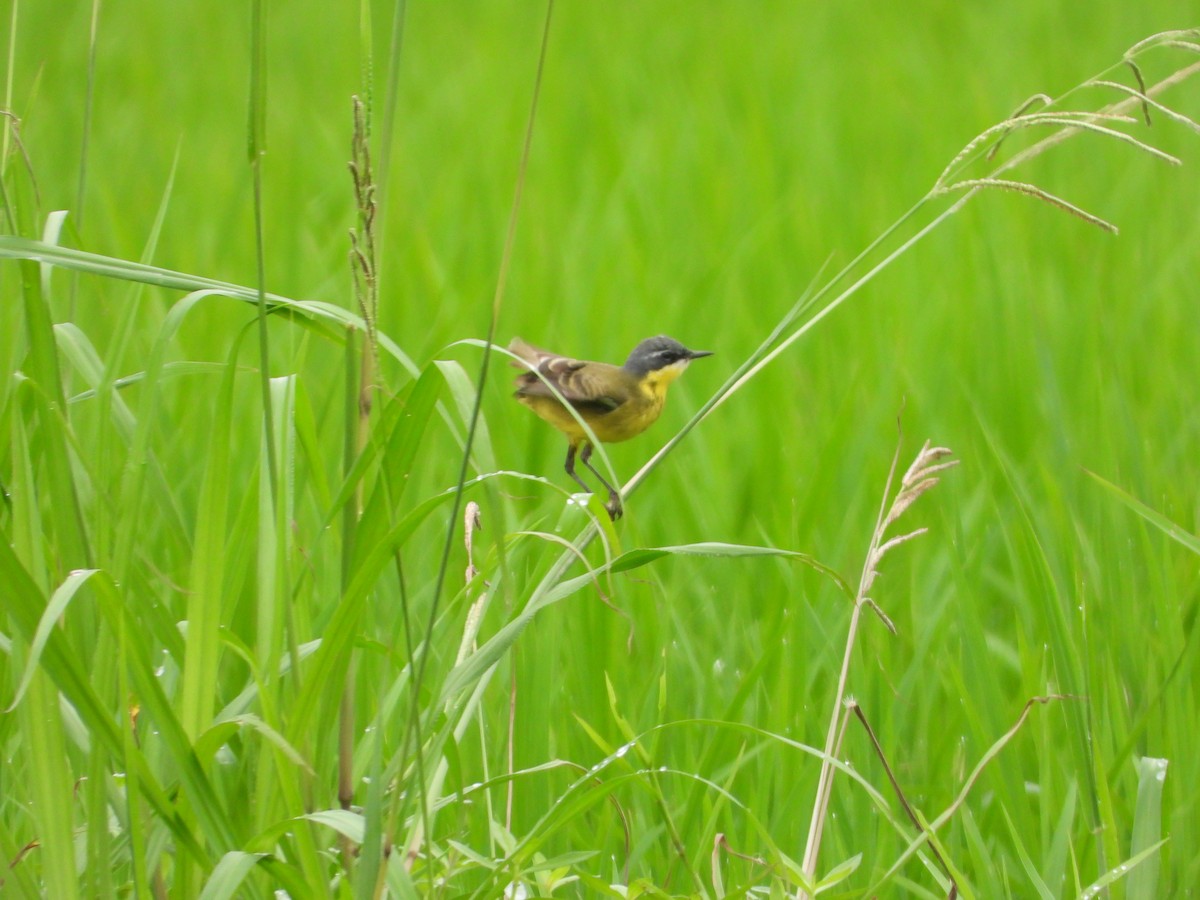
(239, 658)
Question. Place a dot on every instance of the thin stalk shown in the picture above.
(366, 290)
(825, 781)
(920, 477)
(8, 87)
(88, 104)
(350, 516)
(391, 100)
(512, 744)
(258, 76)
(411, 737)
(816, 825)
(85, 140)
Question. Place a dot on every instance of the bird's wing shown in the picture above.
(582, 384)
(526, 351)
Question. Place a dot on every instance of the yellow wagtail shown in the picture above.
(617, 402)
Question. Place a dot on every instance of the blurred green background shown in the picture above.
(693, 167)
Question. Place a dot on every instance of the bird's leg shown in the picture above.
(614, 499)
(570, 467)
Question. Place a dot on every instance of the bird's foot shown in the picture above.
(614, 507)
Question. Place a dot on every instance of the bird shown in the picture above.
(616, 402)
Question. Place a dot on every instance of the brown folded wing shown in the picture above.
(585, 385)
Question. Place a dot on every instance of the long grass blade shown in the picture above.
(1155, 518)
(1147, 828)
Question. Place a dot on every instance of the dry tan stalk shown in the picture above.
(1032, 190)
(917, 479)
(1144, 98)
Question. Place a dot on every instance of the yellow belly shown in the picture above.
(628, 420)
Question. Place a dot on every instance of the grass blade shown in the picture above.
(55, 609)
(1112, 876)
(1155, 518)
(1147, 828)
(204, 606)
(229, 873)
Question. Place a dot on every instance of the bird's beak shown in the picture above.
(696, 354)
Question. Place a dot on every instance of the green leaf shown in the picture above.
(794, 873)
(599, 888)
(1155, 518)
(563, 861)
(56, 608)
(404, 422)
(220, 733)
(202, 652)
(1147, 827)
(716, 549)
(1027, 864)
(229, 873)
(70, 546)
(50, 785)
(1054, 865)
(462, 389)
(839, 873)
(348, 824)
(473, 855)
(316, 311)
(1118, 872)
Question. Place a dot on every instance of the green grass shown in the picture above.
(183, 611)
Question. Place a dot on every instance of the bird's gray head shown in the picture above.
(660, 352)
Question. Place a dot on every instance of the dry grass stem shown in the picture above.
(362, 238)
(883, 617)
(906, 499)
(917, 479)
(472, 522)
(1146, 100)
(1073, 121)
(721, 846)
(1087, 124)
(1137, 74)
(853, 707)
(1000, 130)
(1043, 99)
(1129, 103)
(1174, 38)
(1022, 187)
(362, 260)
(362, 266)
(895, 542)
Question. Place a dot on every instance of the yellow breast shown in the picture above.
(641, 405)
(632, 417)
